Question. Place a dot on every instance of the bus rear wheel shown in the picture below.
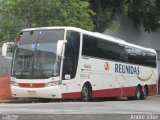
(86, 93)
(145, 92)
(139, 93)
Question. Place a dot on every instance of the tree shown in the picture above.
(18, 14)
(93, 15)
(107, 12)
(144, 13)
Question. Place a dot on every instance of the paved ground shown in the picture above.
(148, 109)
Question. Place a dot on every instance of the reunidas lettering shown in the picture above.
(127, 69)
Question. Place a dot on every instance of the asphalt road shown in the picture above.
(109, 109)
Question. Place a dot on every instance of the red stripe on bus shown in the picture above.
(71, 95)
(116, 92)
(152, 89)
(31, 85)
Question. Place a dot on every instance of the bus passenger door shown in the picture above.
(70, 62)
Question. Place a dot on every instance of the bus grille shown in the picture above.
(31, 85)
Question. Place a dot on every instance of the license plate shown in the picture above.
(31, 92)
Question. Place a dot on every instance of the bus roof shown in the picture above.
(95, 34)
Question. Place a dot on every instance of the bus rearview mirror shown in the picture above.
(60, 47)
(8, 49)
(4, 50)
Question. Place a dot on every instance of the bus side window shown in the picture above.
(71, 55)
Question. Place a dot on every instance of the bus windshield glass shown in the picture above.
(35, 56)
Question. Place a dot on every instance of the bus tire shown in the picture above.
(145, 92)
(86, 93)
(138, 93)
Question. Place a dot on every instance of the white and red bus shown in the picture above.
(68, 62)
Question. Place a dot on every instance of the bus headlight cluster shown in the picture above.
(53, 83)
(13, 83)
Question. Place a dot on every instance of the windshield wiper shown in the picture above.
(27, 64)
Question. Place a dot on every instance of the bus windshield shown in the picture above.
(35, 56)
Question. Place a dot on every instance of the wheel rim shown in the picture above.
(138, 94)
(85, 93)
(145, 92)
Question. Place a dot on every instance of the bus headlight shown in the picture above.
(53, 83)
(13, 83)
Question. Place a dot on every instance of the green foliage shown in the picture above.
(93, 15)
(8, 24)
(18, 14)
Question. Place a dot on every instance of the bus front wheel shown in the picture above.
(86, 93)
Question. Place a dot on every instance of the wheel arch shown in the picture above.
(139, 85)
(87, 83)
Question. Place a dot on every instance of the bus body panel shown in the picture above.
(49, 92)
(107, 81)
(35, 89)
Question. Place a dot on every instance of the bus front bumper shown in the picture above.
(45, 92)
